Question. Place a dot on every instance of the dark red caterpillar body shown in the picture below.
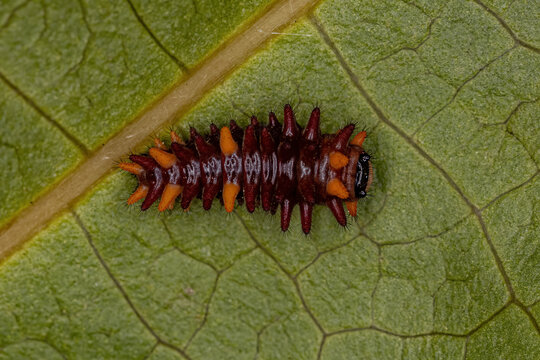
(270, 164)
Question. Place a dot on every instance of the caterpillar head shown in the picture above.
(364, 175)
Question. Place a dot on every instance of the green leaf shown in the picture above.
(442, 262)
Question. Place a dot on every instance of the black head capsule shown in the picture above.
(363, 176)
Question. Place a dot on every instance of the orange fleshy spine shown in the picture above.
(133, 168)
(139, 194)
(169, 195)
(336, 188)
(230, 191)
(359, 138)
(338, 160)
(352, 207)
(164, 159)
(226, 142)
(159, 144)
(176, 138)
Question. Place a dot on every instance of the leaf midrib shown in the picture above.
(178, 100)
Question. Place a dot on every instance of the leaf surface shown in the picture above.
(442, 262)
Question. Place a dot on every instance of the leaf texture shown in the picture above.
(443, 261)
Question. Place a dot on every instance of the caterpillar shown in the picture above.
(268, 165)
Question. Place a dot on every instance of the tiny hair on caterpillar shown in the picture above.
(273, 165)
